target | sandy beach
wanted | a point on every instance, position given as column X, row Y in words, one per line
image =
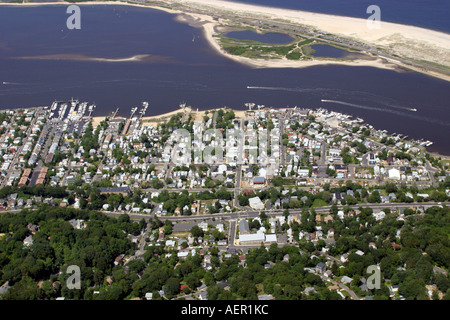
column 166, row 115
column 96, row 120
column 161, row 118
column 209, row 31
column 400, row 37
column 410, row 42
column 146, row 121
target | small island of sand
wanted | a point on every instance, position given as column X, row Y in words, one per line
column 389, row 47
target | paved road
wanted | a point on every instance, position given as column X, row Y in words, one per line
column 281, row 119
column 337, row 261
column 255, row 213
column 341, row 285
column 323, row 154
column 431, row 172
column 240, row 155
column 232, row 233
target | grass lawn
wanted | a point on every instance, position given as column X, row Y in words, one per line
column 445, row 163
column 319, row 203
column 180, row 234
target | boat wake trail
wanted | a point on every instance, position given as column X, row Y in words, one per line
column 366, row 96
column 409, row 115
column 356, row 105
column 389, row 106
column 285, row 89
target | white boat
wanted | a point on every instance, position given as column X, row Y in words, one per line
column 72, row 109
column 413, row 109
column 54, row 105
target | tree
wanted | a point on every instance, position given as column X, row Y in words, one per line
column 438, row 196
column 196, row 232
column 351, row 200
column 192, row 280
column 243, row 200
column 277, row 181
column 168, row 227
column 123, row 218
column 136, row 265
column 447, row 295
column 218, row 235
column 25, row 289
column 374, row 197
column 214, row 292
column 172, row 287
column 442, row 282
column 157, row 183
column 391, row 187
column 334, row 209
column 412, row 288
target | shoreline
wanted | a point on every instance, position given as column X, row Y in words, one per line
column 209, row 32
column 347, row 27
column 390, row 34
column 198, row 114
column 239, row 114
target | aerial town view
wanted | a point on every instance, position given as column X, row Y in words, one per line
column 235, row 164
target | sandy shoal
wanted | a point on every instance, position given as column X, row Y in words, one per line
column 115, row 3
column 404, row 40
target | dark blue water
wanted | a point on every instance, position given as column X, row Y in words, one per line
column 322, row 50
column 430, row 14
column 269, row 37
column 182, row 67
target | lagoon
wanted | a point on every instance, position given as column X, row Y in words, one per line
column 323, row 50
column 269, row 37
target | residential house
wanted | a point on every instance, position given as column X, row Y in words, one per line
column 320, row 267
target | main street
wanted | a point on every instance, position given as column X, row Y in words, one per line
column 255, row 213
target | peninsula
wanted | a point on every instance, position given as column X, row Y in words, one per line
column 392, row 46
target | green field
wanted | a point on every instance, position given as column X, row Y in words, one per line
column 319, row 203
